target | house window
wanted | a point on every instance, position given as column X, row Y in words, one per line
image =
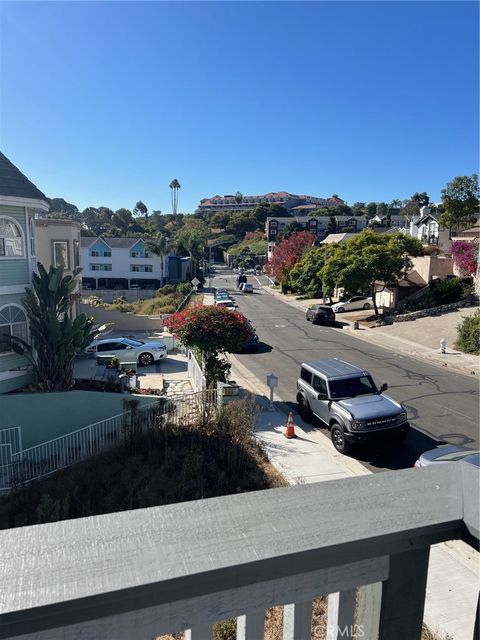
column 135, row 254
column 31, row 228
column 107, row 254
column 94, row 254
column 11, row 245
column 13, row 322
column 100, row 267
column 76, row 253
column 60, row 253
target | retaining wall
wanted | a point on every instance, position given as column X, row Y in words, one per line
column 434, row 311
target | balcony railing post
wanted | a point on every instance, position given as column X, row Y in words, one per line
column 341, row 615
column 251, row 626
column 403, row 596
column 199, row 631
column 297, row 620
column 368, row 609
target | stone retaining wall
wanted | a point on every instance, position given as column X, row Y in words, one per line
column 434, row 311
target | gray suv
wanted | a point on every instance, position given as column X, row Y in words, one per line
column 347, row 400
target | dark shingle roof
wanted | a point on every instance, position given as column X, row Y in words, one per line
column 14, row 183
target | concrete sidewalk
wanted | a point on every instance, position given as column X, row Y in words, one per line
column 453, row 577
column 422, row 333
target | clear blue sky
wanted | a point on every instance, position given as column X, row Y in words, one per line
column 105, row 103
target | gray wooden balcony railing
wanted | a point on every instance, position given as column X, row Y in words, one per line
column 139, row 574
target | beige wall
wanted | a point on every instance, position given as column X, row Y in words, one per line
column 426, row 267
column 47, row 232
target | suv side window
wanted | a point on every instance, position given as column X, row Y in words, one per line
column 319, row 385
column 306, row 375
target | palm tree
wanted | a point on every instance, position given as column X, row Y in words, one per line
column 174, row 186
column 238, row 197
column 158, row 245
column 56, row 339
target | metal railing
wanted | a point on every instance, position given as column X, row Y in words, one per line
column 363, row 541
column 21, row 466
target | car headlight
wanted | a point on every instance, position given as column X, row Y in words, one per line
column 357, row 424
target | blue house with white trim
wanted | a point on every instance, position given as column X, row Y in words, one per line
column 20, row 202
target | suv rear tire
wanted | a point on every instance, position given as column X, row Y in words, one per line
column 304, row 409
column 338, row 439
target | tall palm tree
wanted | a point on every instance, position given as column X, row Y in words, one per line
column 158, row 245
column 174, row 186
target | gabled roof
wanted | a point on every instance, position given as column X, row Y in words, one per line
column 338, row 237
column 113, row 243
column 14, row 184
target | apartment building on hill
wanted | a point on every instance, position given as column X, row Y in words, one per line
column 289, row 200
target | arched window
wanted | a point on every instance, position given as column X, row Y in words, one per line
column 13, row 322
column 11, row 241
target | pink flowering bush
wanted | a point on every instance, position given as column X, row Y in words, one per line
column 465, row 255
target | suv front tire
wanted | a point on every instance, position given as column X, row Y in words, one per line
column 338, row 439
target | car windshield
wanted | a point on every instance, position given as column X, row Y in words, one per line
column 132, row 343
column 351, row 387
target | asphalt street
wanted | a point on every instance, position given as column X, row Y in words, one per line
column 443, row 406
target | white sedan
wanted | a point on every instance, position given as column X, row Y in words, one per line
column 353, row 304
column 128, row 350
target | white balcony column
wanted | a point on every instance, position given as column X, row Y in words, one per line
column 368, row 609
column 199, row 631
column 341, row 615
column 297, row 620
column 251, row 626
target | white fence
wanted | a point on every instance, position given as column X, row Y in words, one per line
column 20, row 466
column 195, row 373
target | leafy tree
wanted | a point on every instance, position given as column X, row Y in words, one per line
column 292, row 227
column 220, row 219
column 287, row 253
column 140, row 209
column 331, row 226
column 382, row 209
column 371, row 210
column 174, row 186
column 238, row 197
column 410, row 209
column 367, row 258
column 422, row 199
column 460, row 199
column 468, row 334
column 342, row 210
column 465, row 256
column 305, row 276
column 395, row 204
column 240, row 223
column 56, row 339
column 192, row 239
column 60, row 208
column 212, row 331
column 359, row 208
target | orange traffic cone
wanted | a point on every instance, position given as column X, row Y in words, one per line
column 290, row 429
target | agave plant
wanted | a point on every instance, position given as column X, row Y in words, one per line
column 55, row 338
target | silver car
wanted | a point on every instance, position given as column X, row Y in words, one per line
column 354, row 303
column 448, row 453
column 128, row 350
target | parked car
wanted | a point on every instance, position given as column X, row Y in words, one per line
column 448, row 453
column 352, row 304
column 347, row 400
column 320, row 314
column 128, row 350
column 228, row 304
column 246, row 287
column 219, row 292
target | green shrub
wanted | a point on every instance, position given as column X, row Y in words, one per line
column 166, row 289
column 468, row 334
column 447, row 291
column 184, row 288
column 119, row 300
